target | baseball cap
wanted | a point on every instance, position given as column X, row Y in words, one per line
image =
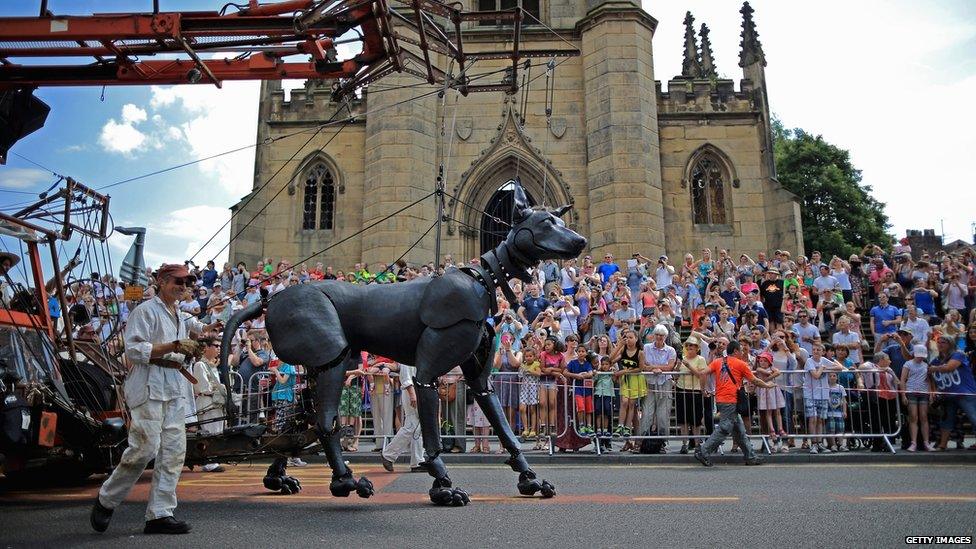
column 905, row 330
column 920, row 351
column 174, row 270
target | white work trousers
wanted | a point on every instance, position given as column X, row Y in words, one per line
column 382, row 410
column 157, row 431
column 408, row 437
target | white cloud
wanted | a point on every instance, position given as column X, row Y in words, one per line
column 121, row 138
column 173, row 237
column 215, row 120
column 189, row 228
column 132, row 114
column 22, row 178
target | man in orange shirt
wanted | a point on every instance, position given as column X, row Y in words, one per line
column 729, row 373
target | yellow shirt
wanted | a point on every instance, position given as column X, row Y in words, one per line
column 688, row 380
column 532, row 368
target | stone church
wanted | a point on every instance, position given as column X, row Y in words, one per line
column 649, row 166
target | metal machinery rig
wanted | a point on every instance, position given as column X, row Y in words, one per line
column 253, row 43
column 62, row 408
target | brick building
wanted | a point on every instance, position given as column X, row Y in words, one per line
column 650, row 166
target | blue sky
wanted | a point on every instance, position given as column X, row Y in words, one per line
column 892, row 81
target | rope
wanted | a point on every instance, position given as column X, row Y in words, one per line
column 389, row 266
column 268, row 203
column 479, row 210
column 473, row 228
column 550, row 92
column 41, row 166
column 261, row 188
column 342, row 241
column 344, row 121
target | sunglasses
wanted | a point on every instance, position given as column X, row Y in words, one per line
column 179, row 282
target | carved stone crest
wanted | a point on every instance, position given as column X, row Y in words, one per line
column 463, row 128
column 558, row 127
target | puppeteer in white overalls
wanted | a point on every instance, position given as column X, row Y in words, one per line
column 156, row 341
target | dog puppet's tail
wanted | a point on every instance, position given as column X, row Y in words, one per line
column 249, row 312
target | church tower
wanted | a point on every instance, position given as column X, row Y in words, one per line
column 623, row 173
column 648, row 167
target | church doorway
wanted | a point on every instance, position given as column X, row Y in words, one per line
column 500, row 209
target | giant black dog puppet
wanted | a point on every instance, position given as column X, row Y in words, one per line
column 434, row 324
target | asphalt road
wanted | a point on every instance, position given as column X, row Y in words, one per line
column 799, row 505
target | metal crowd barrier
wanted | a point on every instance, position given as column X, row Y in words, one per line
column 662, row 410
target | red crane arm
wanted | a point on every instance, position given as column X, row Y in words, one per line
column 118, row 42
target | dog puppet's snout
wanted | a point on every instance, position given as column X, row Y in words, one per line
column 579, row 243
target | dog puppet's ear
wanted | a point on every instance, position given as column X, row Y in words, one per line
column 558, row 212
column 521, row 203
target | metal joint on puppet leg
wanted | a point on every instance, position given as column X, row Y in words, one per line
column 278, row 480
column 528, row 485
column 435, row 466
column 518, row 463
column 442, row 493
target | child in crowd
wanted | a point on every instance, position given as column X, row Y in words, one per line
column 477, row 420
column 529, row 373
column 816, row 392
column 770, row 401
column 917, row 380
column 633, row 386
column 580, row 372
column 848, row 380
column 351, row 407
column 836, row 412
column 846, row 377
column 603, row 400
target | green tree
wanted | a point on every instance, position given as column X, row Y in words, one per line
column 839, row 214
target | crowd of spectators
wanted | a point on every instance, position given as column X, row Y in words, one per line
column 597, row 352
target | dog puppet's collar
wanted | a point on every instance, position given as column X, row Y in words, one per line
column 484, row 278
column 499, row 276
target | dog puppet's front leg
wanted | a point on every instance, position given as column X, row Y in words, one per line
column 442, row 492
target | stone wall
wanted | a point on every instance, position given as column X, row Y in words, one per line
column 623, row 155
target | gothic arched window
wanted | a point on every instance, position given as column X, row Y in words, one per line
column 318, row 203
column 707, row 180
column 530, row 6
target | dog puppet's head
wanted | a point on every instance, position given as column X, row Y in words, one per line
column 539, row 234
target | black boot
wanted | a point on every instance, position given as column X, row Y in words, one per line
column 100, row 516
column 166, row 525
